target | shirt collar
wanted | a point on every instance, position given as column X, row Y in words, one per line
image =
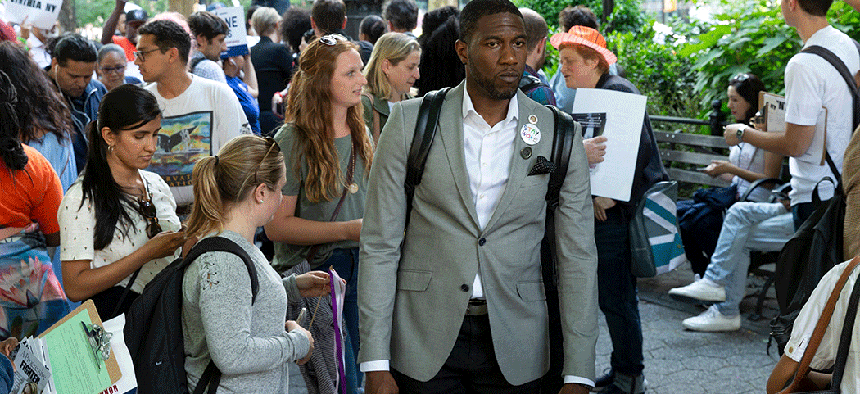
column 469, row 108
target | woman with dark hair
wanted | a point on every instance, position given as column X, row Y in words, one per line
column 244, row 337
column 44, row 119
column 439, row 62
column 31, row 298
column 328, row 154
column 118, row 221
column 746, row 164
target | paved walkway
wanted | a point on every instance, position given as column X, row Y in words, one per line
column 679, row 361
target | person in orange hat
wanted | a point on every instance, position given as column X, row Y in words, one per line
column 585, row 64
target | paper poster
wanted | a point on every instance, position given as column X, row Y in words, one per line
column 621, row 115
column 39, row 13
column 128, row 380
column 772, row 112
column 237, row 37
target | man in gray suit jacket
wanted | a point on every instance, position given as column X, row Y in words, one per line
column 459, row 306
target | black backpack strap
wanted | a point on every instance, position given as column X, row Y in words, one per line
column 211, row 375
column 425, row 131
column 852, row 88
column 221, row 244
column 562, row 144
column 845, row 337
column 529, row 82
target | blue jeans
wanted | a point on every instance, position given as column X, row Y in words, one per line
column 748, row 226
column 345, row 262
column 616, row 288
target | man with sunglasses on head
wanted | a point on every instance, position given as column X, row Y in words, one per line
column 198, row 115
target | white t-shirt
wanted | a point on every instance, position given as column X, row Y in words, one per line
column 808, row 318
column 195, row 124
column 748, row 157
column 78, row 222
column 816, row 94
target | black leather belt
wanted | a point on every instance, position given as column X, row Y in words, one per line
column 476, row 307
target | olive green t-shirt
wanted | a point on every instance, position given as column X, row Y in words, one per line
column 287, row 255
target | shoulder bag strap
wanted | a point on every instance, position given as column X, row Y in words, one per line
column 820, row 327
column 845, row 337
column 425, row 130
column 376, row 128
column 562, row 144
column 350, row 172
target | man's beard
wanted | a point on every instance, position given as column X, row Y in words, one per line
column 490, row 87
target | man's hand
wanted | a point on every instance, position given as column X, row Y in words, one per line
column 573, row 388
column 380, row 382
column 595, row 149
column 313, row 284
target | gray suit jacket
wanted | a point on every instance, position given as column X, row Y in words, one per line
column 412, row 300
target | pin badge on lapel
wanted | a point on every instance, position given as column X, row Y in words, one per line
column 530, row 134
column 533, row 119
column 526, row 153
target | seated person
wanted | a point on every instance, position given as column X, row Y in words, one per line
column 748, row 226
column 700, row 219
column 825, row 356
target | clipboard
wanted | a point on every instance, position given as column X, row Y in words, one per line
column 111, row 364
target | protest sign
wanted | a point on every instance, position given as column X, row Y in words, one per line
column 39, row 13
column 237, row 37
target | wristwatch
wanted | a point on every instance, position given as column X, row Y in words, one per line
column 740, row 133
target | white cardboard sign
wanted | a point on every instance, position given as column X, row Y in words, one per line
column 39, row 13
column 237, row 37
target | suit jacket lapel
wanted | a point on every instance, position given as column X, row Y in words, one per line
column 519, row 167
column 451, row 134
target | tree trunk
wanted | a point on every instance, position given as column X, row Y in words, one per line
column 608, row 6
column 183, row 7
column 68, row 21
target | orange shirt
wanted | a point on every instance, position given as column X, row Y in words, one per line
column 126, row 45
column 31, row 195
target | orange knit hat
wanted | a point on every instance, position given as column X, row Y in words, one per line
column 586, row 36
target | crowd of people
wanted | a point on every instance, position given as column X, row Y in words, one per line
column 120, row 155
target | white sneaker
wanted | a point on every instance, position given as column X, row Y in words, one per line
column 712, row 320
column 702, row 290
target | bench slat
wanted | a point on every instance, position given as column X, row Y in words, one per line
column 709, row 141
column 702, row 159
column 695, row 177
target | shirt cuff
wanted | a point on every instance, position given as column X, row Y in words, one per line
column 375, row 365
column 576, row 379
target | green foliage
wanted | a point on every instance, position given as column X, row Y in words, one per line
column 659, row 72
column 626, row 16
column 751, row 36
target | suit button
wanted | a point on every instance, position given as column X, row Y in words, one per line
column 482, row 241
column 464, row 287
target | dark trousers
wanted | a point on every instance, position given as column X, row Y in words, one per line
column 471, row 367
column 616, row 288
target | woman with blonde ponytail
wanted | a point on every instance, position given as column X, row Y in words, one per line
column 236, row 192
column 328, row 153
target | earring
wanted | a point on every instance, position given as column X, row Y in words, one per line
column 260, row 201
column 110, row 148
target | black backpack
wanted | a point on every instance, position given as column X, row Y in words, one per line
column 565, row 130
column 153, row 326
column 817, row 246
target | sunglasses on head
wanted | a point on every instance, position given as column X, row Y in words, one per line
column 331, row 39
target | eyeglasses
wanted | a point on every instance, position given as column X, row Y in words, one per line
column 142, row 54
column 117, row 69
column 331, row 39
column 147, row 210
